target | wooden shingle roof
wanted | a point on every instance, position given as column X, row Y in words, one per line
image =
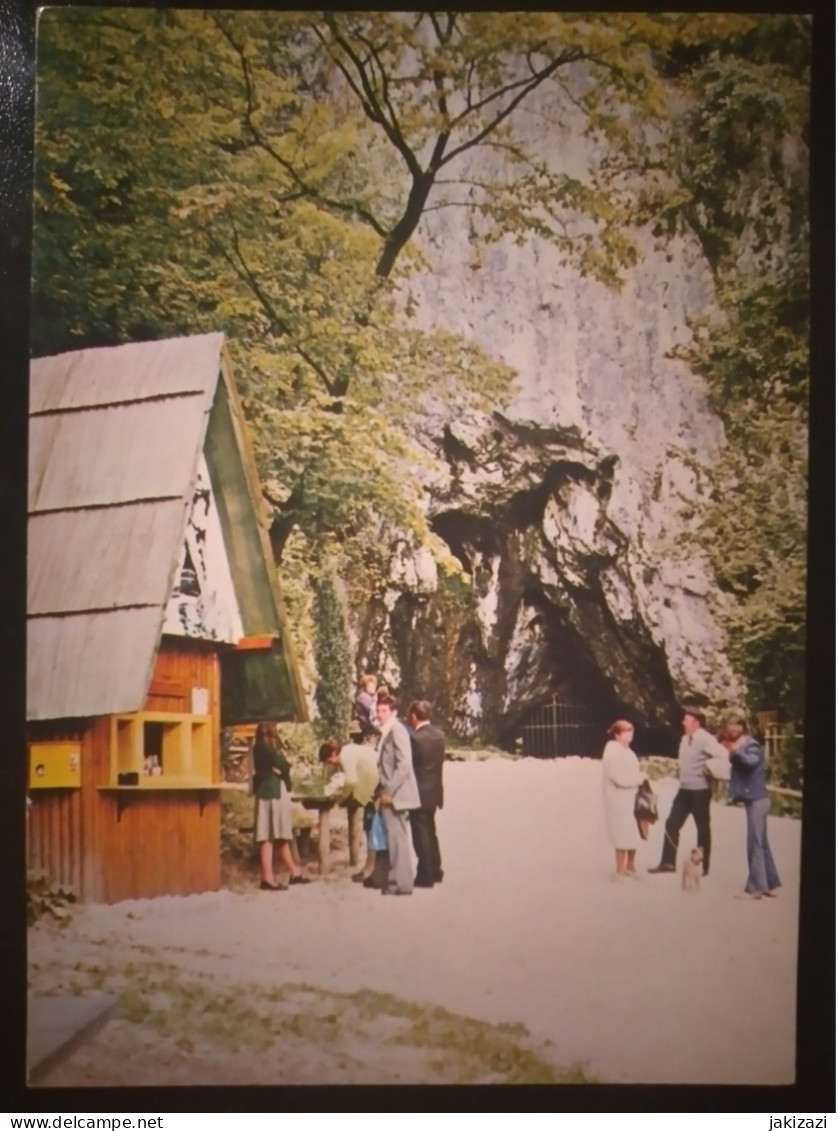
column 116, row 435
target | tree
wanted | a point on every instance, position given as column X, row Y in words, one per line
column 172, row 225
column 333, row 654
column 266, row 172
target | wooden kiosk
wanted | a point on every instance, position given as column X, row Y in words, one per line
column 154, row 616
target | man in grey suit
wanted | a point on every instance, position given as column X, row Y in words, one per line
column 399, row 794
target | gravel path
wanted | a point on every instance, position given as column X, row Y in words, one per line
column 637, row 981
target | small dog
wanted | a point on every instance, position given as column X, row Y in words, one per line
column 693, row 868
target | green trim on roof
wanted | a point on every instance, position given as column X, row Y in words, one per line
column 237, row 494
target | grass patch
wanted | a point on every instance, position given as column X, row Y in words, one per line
column 473, row 1050
column 346, row 1028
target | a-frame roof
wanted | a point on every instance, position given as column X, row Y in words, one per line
column 115, row 439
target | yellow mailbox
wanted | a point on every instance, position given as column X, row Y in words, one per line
column 54, row 765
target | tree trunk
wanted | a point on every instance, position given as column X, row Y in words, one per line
column 284, row 523
column 405, row 228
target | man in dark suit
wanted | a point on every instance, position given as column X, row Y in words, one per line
column 428, row 745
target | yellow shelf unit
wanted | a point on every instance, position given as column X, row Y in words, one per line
column 180, row 744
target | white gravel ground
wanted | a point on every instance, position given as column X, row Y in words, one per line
column 638, row 981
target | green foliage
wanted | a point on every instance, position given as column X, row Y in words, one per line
column 176, row 1010
column 786, row 763
column 786, row 806
column 656, row 768
column 311, row 781
column 334, row 693
column 265, row 173
column 236, row 817
column 474, row 1049
column 754, row 523
column 192, row 173
column 744, row 175
column 298, row 742
column 43, row 897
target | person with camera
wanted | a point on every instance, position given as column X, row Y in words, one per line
column 747, row 787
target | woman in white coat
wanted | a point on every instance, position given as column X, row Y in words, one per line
column 621, row 775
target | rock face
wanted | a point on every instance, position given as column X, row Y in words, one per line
column 563, row 507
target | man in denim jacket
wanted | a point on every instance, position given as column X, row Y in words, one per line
column 747, row 785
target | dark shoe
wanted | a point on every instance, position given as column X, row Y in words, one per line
column 662, row 868
column 358, row 878
column 300, row 879
column 439, row 878
column 423, row 883
column 265, row 886
column 370, row 882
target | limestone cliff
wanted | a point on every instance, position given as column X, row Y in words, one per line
column 562, row 507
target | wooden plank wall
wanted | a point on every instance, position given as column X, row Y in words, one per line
column 62, row 827
column 161, row 843
column 181, row 665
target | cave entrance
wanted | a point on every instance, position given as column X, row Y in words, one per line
column 563, row 728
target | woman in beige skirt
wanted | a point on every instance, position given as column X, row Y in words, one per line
column 272, row 816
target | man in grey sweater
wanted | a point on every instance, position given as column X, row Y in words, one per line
column 694, row 789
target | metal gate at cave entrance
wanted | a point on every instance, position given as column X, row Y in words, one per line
column 562, row 729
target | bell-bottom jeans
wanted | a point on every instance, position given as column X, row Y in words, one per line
column 762, row 872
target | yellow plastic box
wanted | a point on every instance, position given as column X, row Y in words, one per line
column 54, row 765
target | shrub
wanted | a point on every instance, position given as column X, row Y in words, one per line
column 656, row 767
column 786, row 765
column 44, row 897
column 236, row 816
column 298, row 742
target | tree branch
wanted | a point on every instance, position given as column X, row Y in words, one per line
column 385, row 83
column 346, row 207
column 450, row 204
column 283, row 524
column 442, row 140
column 277, row 322
column 470, row 72
column 531, row 84
column 368, row 98
column 437, row 28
